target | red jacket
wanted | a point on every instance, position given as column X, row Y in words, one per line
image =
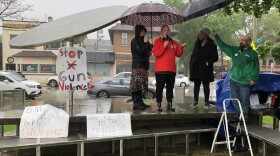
column 165, row 57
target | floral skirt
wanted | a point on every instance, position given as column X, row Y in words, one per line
column 139, row 80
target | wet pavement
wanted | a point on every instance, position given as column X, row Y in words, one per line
column 84, row 104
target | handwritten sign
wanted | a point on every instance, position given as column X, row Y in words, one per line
column 108, row 125
column 44, row 121
column 72, row 68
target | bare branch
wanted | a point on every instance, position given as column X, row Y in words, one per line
column 13, row 8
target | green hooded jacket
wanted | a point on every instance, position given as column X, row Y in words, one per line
column 244, row 65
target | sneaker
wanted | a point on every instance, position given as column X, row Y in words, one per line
column 194, row 105
column 206, row 105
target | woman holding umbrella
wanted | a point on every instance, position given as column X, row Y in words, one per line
column 141, row 51
column 165, row 50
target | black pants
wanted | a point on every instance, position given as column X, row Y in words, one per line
column 206, row 90
column 161, row 80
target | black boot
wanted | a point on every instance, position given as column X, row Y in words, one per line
column 136, row 104
column 169, row 107
column 140, row 100
column 159, row 109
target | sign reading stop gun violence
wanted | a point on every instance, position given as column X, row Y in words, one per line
column 72, row 68
column 108, row 125
column 44, row 121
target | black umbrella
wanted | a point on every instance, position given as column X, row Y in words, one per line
column 201, row 7
column 151, row 15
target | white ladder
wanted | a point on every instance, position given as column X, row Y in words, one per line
column 224, row 120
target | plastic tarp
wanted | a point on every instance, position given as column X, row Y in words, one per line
column 268, row 82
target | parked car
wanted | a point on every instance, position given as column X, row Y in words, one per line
column 116, row 87
column 19, row 73
column 53, row 80
column 10, row 81
column 123, row 75
column 180, row 80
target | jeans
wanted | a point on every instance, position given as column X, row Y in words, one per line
column 161, row 80
column 206, row 90
column 242, row 93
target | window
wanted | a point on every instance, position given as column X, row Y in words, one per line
column 46, row 68
column 127, row 75
column 123, row 67
column 90, row 68
column 12, row 36
column 124, row 38
column 126, row 82
column 115, row 82
column 264, row 62
column 102, row 70
column 270, row 61
column 123, row 57
column 32, row 68
column 2, row 78
column 53, row 46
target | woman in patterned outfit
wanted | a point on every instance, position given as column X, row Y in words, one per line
column 141, row 51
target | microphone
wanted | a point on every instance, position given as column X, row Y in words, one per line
column 168, row 38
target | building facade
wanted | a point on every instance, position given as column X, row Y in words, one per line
column 36, row 63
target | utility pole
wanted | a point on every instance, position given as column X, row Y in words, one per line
column 99, row 36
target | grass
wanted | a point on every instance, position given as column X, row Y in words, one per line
column 9, row 128
column 267, row 120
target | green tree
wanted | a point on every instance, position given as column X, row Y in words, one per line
column 229, row 28
column 268, row 26
column 268, row 30
column 254, row 7
column 264, row 49
column 275, row 52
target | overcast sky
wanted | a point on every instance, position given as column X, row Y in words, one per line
column 60, row 8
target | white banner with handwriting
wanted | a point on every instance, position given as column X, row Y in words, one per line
column 108, row 125
column 44, row 121
column 72, row 69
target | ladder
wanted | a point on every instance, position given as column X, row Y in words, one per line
column 231, row 139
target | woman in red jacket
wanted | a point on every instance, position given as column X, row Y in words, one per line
column 166, row 50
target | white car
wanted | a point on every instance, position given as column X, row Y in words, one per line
column 10, row 81
column 180, row 80
column 53, row 80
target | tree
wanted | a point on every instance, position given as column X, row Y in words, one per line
column 13, row 8
column 255, row 7
column 268, row 30
column 268, row 26
column 230, row 28
column 264, row 49
column 275, row 52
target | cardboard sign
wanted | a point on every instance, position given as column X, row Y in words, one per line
column 44, row 121
column 108, row 125
column 72, row 68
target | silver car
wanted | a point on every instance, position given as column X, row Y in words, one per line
column 116, row 87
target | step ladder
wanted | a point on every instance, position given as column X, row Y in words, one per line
column 231, row 139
